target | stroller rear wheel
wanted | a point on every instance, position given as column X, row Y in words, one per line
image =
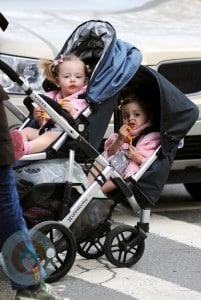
column 58, row 259
column 93, row 247
column 123, row 247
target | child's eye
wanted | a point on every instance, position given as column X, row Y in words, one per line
column 136, row 114
column 126, row 116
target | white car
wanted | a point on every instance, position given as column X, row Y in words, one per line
column 166, row 32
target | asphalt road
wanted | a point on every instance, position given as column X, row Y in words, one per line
column 168, row 269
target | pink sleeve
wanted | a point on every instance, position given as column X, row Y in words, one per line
column 78, row 103
column 108, row 143
column 145, row 146
column 148, row 144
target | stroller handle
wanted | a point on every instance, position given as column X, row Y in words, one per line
column 9, row 71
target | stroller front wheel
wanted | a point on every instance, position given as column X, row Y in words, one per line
column 58, row 248
column 121, row 246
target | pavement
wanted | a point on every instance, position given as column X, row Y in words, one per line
column 6, row 293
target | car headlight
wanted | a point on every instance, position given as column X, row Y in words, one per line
column 28, row 70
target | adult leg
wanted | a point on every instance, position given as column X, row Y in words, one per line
column 12, row 224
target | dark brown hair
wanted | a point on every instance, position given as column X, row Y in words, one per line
column 145, row 104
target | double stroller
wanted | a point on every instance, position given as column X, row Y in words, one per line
column 57, row 200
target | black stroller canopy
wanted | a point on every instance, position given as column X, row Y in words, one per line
column 176, row 113
column 114, row 62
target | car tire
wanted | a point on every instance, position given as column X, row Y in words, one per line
column 194, row 190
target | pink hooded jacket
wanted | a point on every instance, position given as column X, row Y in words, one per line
column 78, row 103
column 146, row 145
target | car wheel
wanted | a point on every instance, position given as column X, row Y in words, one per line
column 194, row 190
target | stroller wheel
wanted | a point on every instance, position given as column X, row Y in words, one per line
column 122, row 246
column 93, row 247
column 58, row 258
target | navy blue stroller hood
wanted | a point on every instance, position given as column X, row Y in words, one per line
column 113, row 61
column 116, row 61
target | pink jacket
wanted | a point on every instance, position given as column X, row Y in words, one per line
column 78, row 104
column 146, row 145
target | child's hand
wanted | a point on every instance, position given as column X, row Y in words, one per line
column 38, row 115
column 129, row 137
column 124, row 133
column 67, row 105
column 134, row 155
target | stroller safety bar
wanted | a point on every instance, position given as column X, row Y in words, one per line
column 146, row 164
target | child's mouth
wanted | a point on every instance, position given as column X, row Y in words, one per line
column 132, row 125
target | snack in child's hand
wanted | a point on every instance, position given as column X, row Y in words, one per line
column 129, row 136
column 44, row 115
column 61, row 101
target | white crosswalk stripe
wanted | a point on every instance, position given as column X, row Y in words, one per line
column 133, row 283
column 130, row 282
column 172, row 229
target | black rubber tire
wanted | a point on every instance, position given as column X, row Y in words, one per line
column 118, row 246
column 65, row 249
column 194, row 190
column 92, row 248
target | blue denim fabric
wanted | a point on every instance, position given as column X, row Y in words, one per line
column 12, row 221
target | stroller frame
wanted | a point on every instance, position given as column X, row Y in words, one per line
column 123, row 245
column 62, row 227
